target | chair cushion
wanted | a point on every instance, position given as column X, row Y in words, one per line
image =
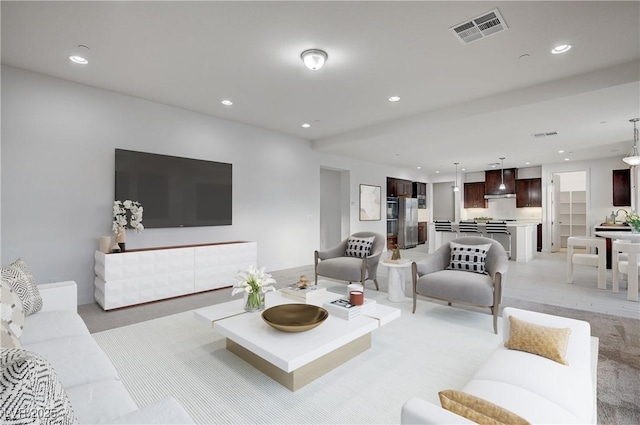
column 341, row 268
column 359, row 247
column 21, row 280
column 31, row 388
column 468, row 258
column 11, row 312
column 537, row 339
column 453, row 285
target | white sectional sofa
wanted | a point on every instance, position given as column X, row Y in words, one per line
column 537, row 389
column 95, row 391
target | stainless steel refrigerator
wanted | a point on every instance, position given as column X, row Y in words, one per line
column 407, row 222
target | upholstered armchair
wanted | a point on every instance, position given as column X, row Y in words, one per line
column 350, row 260
column 432, row 278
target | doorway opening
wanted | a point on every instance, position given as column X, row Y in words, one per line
column 334, row 206
column 569, row 208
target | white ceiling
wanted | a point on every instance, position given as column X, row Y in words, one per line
column 460, row 103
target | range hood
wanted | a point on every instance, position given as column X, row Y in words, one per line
column 501, row 196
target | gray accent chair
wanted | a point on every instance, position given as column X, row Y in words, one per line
column 432, row 279
column 333, row 263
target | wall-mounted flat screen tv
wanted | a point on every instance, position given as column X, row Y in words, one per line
column 174, row 191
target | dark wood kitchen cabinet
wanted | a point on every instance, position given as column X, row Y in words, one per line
column 622, row 188
column 419, row 189
column 474, row 195
column 528, row 193
column 399, row 187
column 493, row 178
column 422, row 232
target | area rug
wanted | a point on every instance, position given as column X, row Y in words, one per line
column 618, row 360
column 419, row 354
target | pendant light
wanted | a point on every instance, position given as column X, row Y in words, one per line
column 502, row 186
column 456, row 188
column 633, row 158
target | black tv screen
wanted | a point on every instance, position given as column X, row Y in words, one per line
column 174, row 191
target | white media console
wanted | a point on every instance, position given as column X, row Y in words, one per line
column 144, row 275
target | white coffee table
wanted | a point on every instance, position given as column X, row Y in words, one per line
column 293, row 359
column 396, row 279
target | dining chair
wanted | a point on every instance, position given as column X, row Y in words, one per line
column 628, row 266
column 494, row 228
column 469, row 228
column 598, row 260
column 445, row 227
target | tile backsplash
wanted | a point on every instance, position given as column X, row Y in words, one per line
column 503, row 209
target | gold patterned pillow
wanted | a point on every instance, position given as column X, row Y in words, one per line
column 537, row 339
column 478, row 410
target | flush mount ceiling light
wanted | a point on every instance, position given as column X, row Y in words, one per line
column 80, row 55
column 456, row 188
column 227, row 102
column 502, row 186
column 394, row 98
column 562, row 48
column 633, row 158
column 314, row 59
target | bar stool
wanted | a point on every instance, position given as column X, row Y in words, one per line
column 628, row 267
column 445, row 227
column 467, row 227
column 499, row 228
column 598, row 260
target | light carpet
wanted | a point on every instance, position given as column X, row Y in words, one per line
column 418, row 354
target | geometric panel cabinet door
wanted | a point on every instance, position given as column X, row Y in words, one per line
column 144, row 275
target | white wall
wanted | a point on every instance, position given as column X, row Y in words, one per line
column 58, row 141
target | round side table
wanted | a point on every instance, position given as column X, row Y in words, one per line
column 396, row 279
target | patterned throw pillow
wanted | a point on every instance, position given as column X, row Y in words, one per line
column 359, row 247
column 468, row 258
column 11, row 313
column 21, row 280
column 31, row 390
column 477, row 409
column 537, row 339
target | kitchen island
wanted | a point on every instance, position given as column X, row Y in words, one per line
column 524, row 238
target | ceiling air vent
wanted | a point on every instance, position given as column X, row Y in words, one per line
column 541, row 135
column 480, row 27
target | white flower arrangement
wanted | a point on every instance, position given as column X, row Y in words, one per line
column 127, row 209
column 252, row 280
column 633, row 220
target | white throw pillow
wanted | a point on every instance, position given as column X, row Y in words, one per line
column 11, row 312
column 359, row 247
column 468, row 258
column 18, row 275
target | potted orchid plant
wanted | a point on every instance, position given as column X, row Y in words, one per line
column 254, row 283
column 126, row 215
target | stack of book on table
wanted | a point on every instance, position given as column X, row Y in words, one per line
column 311, row 293
column 343, row 309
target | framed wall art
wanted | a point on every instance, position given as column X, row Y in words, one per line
column 369, row 203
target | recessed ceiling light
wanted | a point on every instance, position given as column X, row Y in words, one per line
column 437, row 172
column 562, row 48
column 527, row 163
column 227, row 102
column 80, row 55
column 394, row 98
column 419, row 167
column 560, row 151
column 493, row 166
column 566, row 159
column 464, row 169
column 305, row 125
